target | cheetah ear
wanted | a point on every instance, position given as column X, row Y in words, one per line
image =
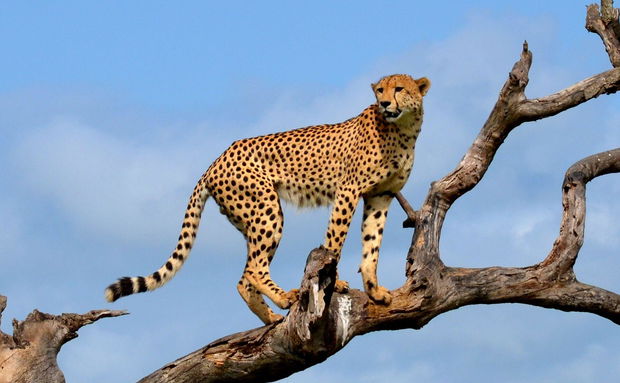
column 373, row 86
column 423, row 84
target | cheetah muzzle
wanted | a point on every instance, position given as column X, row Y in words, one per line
column 391, row 115
column 368, row 157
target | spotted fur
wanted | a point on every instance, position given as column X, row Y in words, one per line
column 367, row 157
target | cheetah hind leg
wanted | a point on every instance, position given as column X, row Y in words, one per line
column 256, row 303
column 260, row 278
column 263, row 237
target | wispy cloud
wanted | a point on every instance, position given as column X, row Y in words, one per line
column 594, row 363
column 107, row 185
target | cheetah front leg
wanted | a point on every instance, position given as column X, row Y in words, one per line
column 375, row 214
column 339, row 221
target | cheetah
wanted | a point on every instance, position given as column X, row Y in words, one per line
column 367, row 157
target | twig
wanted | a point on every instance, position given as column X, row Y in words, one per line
column 411, row 214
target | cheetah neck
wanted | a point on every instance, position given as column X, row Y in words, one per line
column 410, row 123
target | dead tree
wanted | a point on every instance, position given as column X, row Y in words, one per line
column 323, row 321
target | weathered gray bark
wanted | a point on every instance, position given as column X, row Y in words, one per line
column 29, row 356
column 323, row 322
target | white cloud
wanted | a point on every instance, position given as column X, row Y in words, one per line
column 416, row 370
column 533, row 230
column 602, row 224
column 96, row 355
column 13, row 229
column 293, row 109
column 111, row 186
column 612, row 127
column 594, row 363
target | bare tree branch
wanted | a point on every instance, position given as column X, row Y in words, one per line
column 602, row 83
column 406, row 206
column 30, row 354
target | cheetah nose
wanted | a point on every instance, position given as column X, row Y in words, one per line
column 385, row 104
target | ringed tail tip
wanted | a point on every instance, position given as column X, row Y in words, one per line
column 109, row 294
column 123, row 287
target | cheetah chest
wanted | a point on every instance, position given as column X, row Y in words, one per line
column 399, row 163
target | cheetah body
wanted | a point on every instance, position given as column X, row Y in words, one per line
column 367, row 157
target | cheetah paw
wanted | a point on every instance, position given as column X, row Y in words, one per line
column 273, row 318
column 287, row 299
column 341, row 286
column 381, row 295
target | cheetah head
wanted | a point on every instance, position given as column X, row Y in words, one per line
column 400, row 95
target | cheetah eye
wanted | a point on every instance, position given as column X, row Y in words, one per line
column 379, row 90
column 398, row 88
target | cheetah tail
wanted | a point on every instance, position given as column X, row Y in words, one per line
column 131, row 285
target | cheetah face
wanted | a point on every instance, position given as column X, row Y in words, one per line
column 400, row 95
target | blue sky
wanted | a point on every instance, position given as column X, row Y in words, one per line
column 110, row 111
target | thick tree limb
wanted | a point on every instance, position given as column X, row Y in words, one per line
column 29, row 356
